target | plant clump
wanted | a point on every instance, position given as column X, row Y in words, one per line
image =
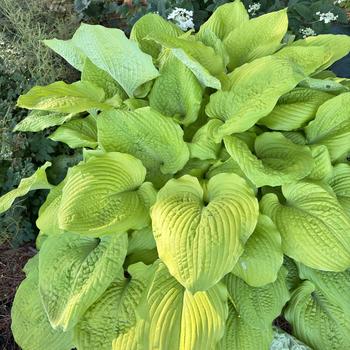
column 213, row 195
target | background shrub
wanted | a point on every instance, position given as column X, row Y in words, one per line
column 24, row 62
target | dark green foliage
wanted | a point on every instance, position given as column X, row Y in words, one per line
column 20, row 155
column 302, row 13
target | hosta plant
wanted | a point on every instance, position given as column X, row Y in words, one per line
column 213, row 196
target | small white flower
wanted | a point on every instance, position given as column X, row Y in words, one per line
column 327, row 17
column 307, row 32
column 338, row 2
column 252, row 9
column 183, row 18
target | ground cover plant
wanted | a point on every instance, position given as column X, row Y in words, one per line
column 213, row 195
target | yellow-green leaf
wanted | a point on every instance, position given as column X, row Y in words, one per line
column 200, row 231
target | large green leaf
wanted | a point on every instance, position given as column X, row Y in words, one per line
column 75, row 271
column 146, row 134
column 68, row 50
column 262, row 257
column 333, row 285
column 141, row 247
column 295, row 109
column 106, row 195
column 202, row 145
column 194, row 49
column 77, row 133
column 331, row 127
column 225, row 19
column 340, row 183
column 37, row 181
column 177, row 319
column 66, row 98
column 258, row 306
column 256, row 38
column 277, row 160
column 40, row 120
column 30, row 325
column 153, row 24
column 240, row 334
column 176, row 92
column 322, row 169
column 47, row 220
column 114, row 314
column 203, row 75
column 253, row 92
column 316, row 320
column 337, row 46
column 314, row 227
column 102, row 79
column 200, row 226
column 110, row 50
column 309, row 58
column 251, row 312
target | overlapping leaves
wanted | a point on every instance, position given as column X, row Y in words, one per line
column 211, row 159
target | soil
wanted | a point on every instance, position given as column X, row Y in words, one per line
column 12, row 261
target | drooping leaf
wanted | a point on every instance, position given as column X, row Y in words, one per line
column 177, row 319
column 30, row 325
column 225, row 19
column 277, row 161
column 146, row 134
column 262, row 257
column 331, row 127
column 75, row 271
column 66, row 98
column 316, row 320
column 40, row 120
column 176, row 92
column 295, row 109
column 106, row 195
column 253, row 93
column 114, row 314
column 256, row 38
column 196, row 227
column 315, row 229
column 77, row 133
column 35, row 182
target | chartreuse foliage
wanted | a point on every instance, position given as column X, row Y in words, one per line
column 213, row 196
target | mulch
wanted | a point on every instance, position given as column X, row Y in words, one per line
column 12, row 261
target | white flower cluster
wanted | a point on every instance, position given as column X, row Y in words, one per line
column 327, row 17
column 183, row 18
column 305, row 32
column 252, row 9
column 339, row 2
